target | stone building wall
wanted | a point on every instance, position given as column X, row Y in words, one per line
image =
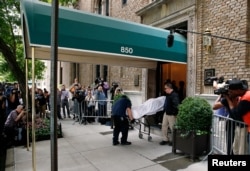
column 127, row 11
column 126, row 75
column 229, row 19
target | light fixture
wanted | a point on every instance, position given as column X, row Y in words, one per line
column 207, row 41
column 170, row 39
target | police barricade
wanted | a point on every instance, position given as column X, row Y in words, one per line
column 98, row 111
column 228, row 136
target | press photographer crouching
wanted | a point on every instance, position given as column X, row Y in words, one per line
column 15, row 120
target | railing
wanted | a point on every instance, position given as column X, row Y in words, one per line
column 85, row 113
column 228, row 136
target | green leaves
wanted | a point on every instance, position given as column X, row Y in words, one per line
column 195, row 114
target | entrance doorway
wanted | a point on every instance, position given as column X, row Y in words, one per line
column 174, row 72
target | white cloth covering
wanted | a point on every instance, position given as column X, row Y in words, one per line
column 149, row 107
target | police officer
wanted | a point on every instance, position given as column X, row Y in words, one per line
column 121, row 112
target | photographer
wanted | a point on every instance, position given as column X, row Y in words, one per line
column 113, row 88
column 41, row 103
column 78, row 97
column 221, row 103
column 241, row 112
column 220, row 89
column 12, row 98
column 13, row 122
column 102, row 104
column 222, row 108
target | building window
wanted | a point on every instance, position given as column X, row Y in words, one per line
column 100, row 7
column 97, row 71
column 102, row 71
column 107, row 7
column 124, row 2
column 105, row 72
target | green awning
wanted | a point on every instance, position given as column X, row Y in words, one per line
column 91, row 38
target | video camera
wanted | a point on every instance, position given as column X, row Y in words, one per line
column 15, row 90
column 222, row 90
column 98, row 80
column 79, row 92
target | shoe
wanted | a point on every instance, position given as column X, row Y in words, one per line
column 69, row 117
column 116, row 143
column 170, row 143
column 164, row 142
column 126, row 143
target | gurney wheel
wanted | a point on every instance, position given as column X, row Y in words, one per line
column 140, row 135
column 149, row 138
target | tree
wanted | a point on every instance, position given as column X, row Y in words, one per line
column 12, row 61
column 11, row 46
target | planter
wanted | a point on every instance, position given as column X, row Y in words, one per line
column 43, row 131
column 192, row 144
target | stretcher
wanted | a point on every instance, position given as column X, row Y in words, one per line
column 141, row 113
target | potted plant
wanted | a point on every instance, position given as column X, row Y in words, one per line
column 42, row 129
column 193, row 127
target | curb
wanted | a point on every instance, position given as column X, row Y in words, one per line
column 10, row 160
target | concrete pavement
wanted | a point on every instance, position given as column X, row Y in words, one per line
column 89, row 147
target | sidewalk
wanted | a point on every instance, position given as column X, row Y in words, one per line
column 89, row 147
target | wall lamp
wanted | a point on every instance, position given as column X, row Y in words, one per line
column 170, row 38
column 207, row 41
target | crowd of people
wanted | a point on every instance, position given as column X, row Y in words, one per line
column 85, row 102
column 12, row 115
column 92, row 101
column 78, row 102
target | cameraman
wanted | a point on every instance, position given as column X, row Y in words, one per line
column 219, row 86
column 241, row 112
column 221, row 103
column 12, row 98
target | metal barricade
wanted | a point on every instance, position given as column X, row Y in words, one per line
column 99, row 112
column 228, row 136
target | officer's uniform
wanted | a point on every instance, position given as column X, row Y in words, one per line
column 121, row 119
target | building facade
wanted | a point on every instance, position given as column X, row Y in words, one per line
column 228, row 52
column 225, row 54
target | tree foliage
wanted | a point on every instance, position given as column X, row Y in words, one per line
column 12, row 65
column 12, row 61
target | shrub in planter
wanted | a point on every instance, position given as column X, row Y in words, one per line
column 195, row 114
column 193, row 126
column 42, row 129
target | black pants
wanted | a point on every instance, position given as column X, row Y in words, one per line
column 121, row 125
column 59, row 111
column 12, row 134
